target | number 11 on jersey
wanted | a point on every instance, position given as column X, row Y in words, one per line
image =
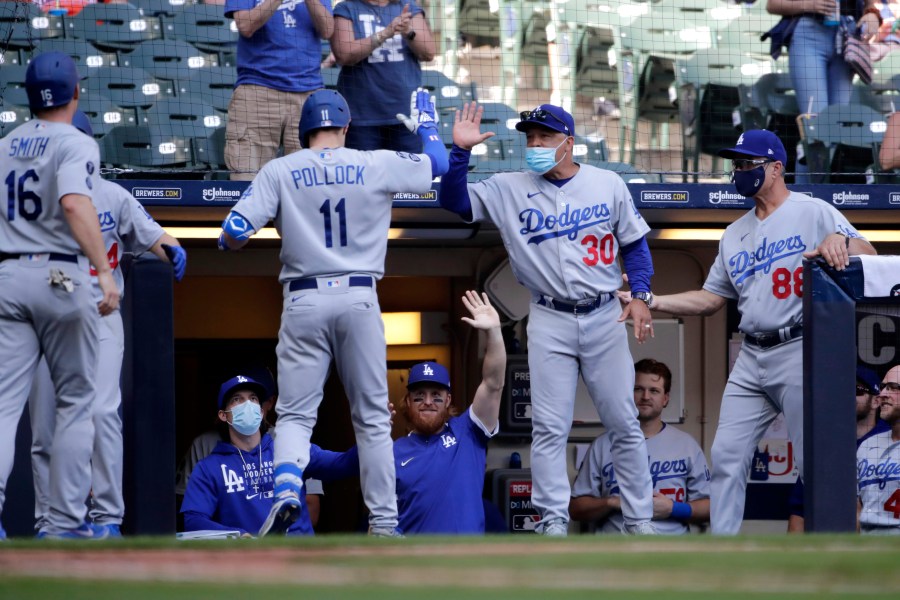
column 340, row 209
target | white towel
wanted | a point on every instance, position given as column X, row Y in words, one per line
column 881, row 276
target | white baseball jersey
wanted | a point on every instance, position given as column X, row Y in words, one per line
column 677, row 465
column 42, row 162
column 562, row 242
column 760, row 263
column 878, row 481
column 125, row 226
column 332, row 207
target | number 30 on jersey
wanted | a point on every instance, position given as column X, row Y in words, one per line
column 600, row 250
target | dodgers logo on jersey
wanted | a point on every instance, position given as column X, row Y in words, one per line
column 107, row 221
column 879, row 473
column 569, row 221
column 608, row 473
column 668, row 469
column 744, row 264
column 233, row 482
column 448, row 440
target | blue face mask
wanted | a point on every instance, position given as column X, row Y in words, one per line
column 541, row 160
column 747, row 183
column 246, row 418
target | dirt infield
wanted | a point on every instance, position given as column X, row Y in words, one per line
column 823, row 565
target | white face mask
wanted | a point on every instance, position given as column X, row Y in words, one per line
column 541, row 160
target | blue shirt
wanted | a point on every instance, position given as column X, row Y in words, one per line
column 379, row 86
column 230, row 489
column 285, row 53
column 440, row 478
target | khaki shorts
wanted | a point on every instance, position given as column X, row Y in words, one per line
column 260, row 121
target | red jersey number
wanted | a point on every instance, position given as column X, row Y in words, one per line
column 784, row 283
column 112, row 256
column 598, row 251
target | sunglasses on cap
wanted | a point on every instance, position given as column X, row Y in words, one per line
column 862, row 390
column 541, row 115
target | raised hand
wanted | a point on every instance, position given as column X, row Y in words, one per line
column 467, row 126
column 422, row 114
column 484, row 316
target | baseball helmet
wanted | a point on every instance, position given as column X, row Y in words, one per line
column 51, row 80
column 82, row 123
column 323, row 108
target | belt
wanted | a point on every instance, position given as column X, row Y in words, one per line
column 576, row 308
column 52, row 256
column 770, row 339
column 311, row 283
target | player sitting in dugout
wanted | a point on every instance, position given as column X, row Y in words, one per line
column 232, row 489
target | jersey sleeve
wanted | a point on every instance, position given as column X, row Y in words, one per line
column 481, row 432
column 329, row 466
column 401, row 171
column 833, row 221
column 718, row 282
column 415, row 9
column 480, row 194
column 78, row 169
column 587, row 482
column 698, row 479
column 137, row 229
column 201, row 499
column 630, row 226
column 344, row 10
column 260, row 201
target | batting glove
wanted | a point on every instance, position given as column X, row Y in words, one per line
column 422, row 114
column 178, row 258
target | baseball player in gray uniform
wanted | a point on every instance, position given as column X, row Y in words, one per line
column 49, row 234
column 760, row 265
column 126, row 227
column 878, row 466
column 332, row 208
column 677, row 465
column 564, row 225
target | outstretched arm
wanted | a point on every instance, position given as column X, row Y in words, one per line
column 696, row 303
column 486, row 405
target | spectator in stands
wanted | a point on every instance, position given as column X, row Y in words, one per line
column 820, row 75
column 232, row 488
column 278, row 55
column 379, row 44
column 888, row 38
column 878, row 466
column 867, row 425
column 889, row 155
column 204, row 444
column 677, row 464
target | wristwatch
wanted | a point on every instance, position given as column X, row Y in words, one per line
column 646, row 297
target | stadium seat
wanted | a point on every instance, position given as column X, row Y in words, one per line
column 501, row 119
column 206, row 27
column 118, row 27
column 209, row 152
column 23, row 25
column 708, row 97
column 127, row 87
column 771, row 104
column 156, row 8
column 170, row 59
column 214, row 85
column 143, row 146
column 104, row 114
column 630, row 173
column 449, row 95
column 11, row 116
column 479, row 22
column 840, row 141
column 86, row 55
column 184, row 116
column 330, row 77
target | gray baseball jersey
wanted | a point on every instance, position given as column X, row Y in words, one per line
column 562, row 242
column 677, row 465
column 760, row 263
column 878, row 481
column 42, row 162
column 332, row 208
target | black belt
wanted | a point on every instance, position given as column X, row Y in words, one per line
column 52, row 256
column 579, row 308
column 311, row 283
column 770, row 339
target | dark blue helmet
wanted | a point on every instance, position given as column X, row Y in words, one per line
column 82, row 123
column 51, row 80
column 323, row 108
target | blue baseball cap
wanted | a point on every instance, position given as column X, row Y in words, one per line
column 240, row 382
column 262, row 375
column 82, row 123
column 549, row 116
column 868, row 378
column 757, row 143
column 51, row 80
column 428, row 372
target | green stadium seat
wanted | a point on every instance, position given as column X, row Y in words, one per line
column 104, row 114
column 214, row 85
column 127, row 87
column 170, row 59
column 142, row 146
column 86, row 55
column 184, row 116
column 206, row 27
column 11, row 116
column 841, row 140
column 119, row 27
column 771, row 104
column 23, row 25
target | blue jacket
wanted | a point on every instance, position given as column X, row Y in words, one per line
column 230, row 489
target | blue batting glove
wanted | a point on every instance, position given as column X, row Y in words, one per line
column 422, row 114
column 178, row 257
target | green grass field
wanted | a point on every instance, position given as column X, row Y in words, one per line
column 431, row 568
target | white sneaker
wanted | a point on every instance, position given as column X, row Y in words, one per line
column 282, row 515
column 642, row 528
column 554, row 528
column 385, row 532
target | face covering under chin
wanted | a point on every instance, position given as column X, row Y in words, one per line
column 748, row 183
column 540, row 160
column 246, row 418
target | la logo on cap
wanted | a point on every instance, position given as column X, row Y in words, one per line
column 241, row 379
column 426, row 370
column 740, row 140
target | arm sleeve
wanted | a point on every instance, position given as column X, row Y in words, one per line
column 638, row 265
column 434, row 148
column 454, row 194
column 201, row 502
column 329, row 466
